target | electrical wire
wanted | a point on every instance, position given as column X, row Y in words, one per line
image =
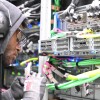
column 71, row 84
column 84, row 75
column 57, row 2
column 81, row 63
column 79, row 79
column 33, row 6
column 31, row 31
column 28, row 60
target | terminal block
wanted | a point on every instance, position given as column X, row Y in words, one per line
column 55, row 46
column 71, row 46
column 79, row 22
column 84, row 17
column 84, row 47
column 79, row 44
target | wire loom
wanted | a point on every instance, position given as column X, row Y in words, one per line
column 78, row 79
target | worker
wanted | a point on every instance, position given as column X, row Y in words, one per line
column 11, row 38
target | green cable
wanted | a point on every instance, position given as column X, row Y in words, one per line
column 73, row 64
column 80, row 82
column 70, row 64
column 82, row 63
column 60, row 85
column 71, row 84
column 55, row 35
column 84, row 75
column 52, row 33
column 54, row 61
column 59, row 35
column 57, row 2
column 28, row 60
column 74, row 81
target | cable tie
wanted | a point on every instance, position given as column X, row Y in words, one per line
column 66, row 75
column 56, row 86
column 77, row 64
column 72, row 5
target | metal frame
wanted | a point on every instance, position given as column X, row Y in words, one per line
column 45, row 28
column 77, row 46
column 45, row 34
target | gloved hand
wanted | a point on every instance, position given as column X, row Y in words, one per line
column 34, row 87
column 17, row 87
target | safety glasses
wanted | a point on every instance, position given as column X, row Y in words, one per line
column 21, row 38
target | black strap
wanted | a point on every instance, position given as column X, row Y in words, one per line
column 56, row 86
column 77, row 64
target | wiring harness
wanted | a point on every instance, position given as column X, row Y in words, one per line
column 72, row 80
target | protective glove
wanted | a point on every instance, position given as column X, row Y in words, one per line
column 15, row 91
column 34, row 87
column 17, row 87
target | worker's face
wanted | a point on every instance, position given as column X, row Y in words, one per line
column 13, row 48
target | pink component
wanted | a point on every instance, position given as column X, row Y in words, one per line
column 57, row 30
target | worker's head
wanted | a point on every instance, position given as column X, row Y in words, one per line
column 13, row 47
column 11, row 19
